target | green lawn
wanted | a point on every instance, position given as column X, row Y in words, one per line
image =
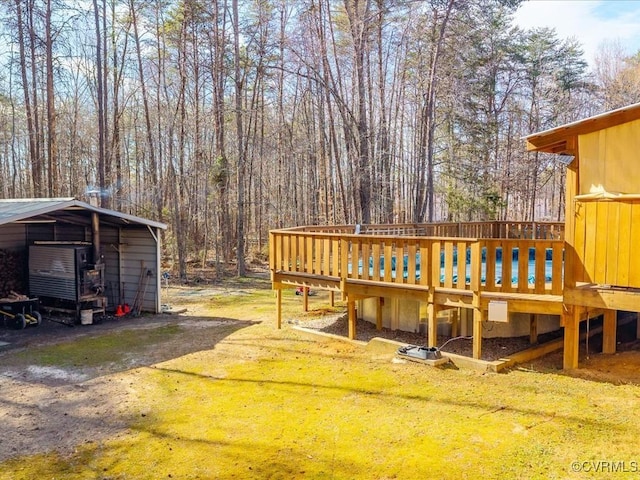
column 276, row 404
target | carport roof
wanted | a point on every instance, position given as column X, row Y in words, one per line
column 67, row 210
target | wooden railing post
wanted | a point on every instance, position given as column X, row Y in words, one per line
column 272, row 251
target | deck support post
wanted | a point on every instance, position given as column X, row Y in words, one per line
column 454, row 316
column 432, row 330
column 379, row 302
column 571, row 321
column 533, row 329
column 638, row 325
column 332, row 298
column 476, row 260
column 351, row 307
column 305, row 299
column 464, row 322
column 477, row 333
column 609, row 326
column 432, row 320
column 279, row 307
column 395, row 314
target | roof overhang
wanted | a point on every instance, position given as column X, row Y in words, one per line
column 564, row 139
column 65, row 210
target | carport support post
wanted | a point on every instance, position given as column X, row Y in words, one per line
column 95, row 233
column 609, row 325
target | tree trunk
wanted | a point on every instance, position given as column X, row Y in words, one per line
column 100, row 99
column 52, row 140
column 239, row 80
column 36, row 174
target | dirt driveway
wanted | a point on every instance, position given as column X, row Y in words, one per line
column 58, row 403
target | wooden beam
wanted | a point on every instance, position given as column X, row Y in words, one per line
column 374, row 288
column 571, row 320
column 477, row 323
column 351, row 307
column 609, row 326
column 454, row 316
column 305, row 299
column 464, row 322
column 395, row 313
column 477, row 333
column 332, row 298
column 637, row 325
column 520, row 303
column 606, row 298
column 432, row 330
column 379, row 303
column 279, row 307
column 309, row 280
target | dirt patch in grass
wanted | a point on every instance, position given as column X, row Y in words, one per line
column 63, row 386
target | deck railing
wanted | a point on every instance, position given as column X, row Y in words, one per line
column 509, row 265
column 497, row 229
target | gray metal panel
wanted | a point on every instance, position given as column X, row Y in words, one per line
column 12, row 210
column 52, row 261
column 72, row 233
column 139, row 254
column 56, row 232
column 12, row 236
column 109, row 246
column 40, row 233
column 53, row 270
column 54, row 287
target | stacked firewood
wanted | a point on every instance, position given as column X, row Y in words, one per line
column 12, row 272
column 14, row 297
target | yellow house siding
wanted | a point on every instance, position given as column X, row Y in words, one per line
column 610, row 160
column 607, row 236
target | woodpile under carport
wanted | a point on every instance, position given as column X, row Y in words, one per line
column 12, row 268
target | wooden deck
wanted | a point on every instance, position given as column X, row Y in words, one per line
column 467, row 265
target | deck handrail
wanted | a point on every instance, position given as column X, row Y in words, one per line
column 492, row 265
column 494, row 229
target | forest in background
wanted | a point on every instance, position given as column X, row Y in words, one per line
column 228, row 118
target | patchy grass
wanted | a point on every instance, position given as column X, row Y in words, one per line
column 274, row 404
column 92, row 351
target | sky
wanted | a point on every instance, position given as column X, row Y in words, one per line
column 591, row 22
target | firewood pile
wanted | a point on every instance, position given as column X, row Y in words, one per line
column 12, row 273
